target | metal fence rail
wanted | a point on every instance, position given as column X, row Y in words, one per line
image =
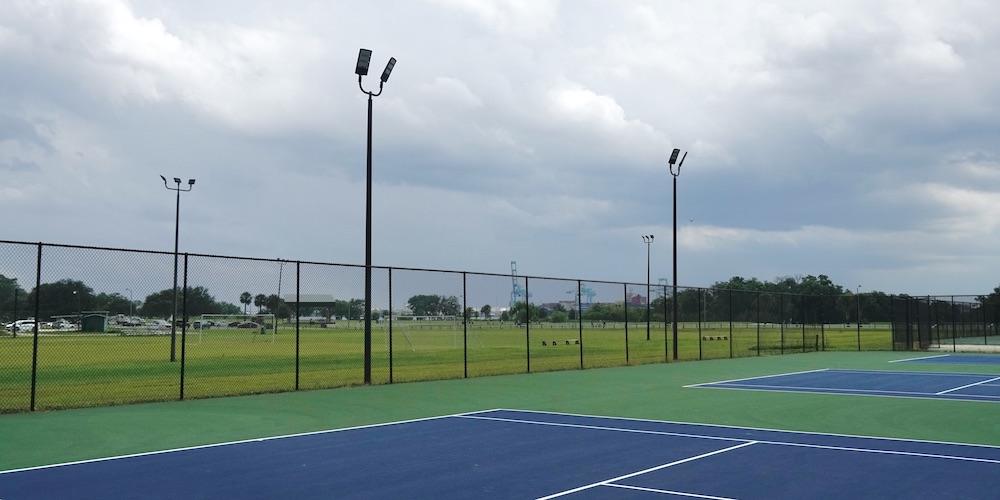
column 90, row 326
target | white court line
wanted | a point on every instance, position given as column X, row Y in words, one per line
column 965, row 398
column 994, row 379
column 722, row 426
column 925, row 357
column 827, row 390
column 241, row 441
column 666, row 492
column 760, row 376
column 761, row 441
column 646, row 471
column 901, row 372
column 835, row 390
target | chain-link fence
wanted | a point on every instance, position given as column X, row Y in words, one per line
column 87, row 326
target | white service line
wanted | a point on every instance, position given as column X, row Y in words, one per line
column 994, row 379
column 241, row 441
column 925, row 357
column 757, row 377
column 721, row 438
column 666, row 492
column 646, row 471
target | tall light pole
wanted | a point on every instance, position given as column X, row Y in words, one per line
column 364, row 58
column 671, row 162
column 648, row 238
column 177, row 235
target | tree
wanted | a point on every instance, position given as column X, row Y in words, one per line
column 114, row 303
column 558, row 317
column 434, row 305
column 276, row 306
column 57, row 298
column 259, row 300
column 245, row 299
column 12, row 297
column 199, row 301
column 485, row 311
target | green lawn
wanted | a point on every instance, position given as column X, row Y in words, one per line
column 79, row 371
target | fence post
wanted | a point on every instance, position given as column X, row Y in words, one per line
column 892, row 320
column 390, row 325
column 982, row 308
column 625, row 287
column 465, row 329
column 802, row 305
column 14, row 330
column 859, row 322
column 666, row 339
column 954, row 326
column 822, row 324
column 579, row 319
column 906, row 316
column 781, row 319
column 298, row 300
column 730, row 322
column 34, row 340
column 184, row 311
column 527, row 323
column 700, row 299
column 758, row 322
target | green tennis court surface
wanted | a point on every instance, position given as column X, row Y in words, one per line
column 648, row 391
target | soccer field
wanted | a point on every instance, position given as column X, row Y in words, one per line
column 78, row 370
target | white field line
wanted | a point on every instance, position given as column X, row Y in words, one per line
column 754, row 378
column 666, row 492
column 994, row 379
column 721, row 426
column 646, row 471
column 241, row 441
column 924, row 357
column 761, row 441
column 951, row 397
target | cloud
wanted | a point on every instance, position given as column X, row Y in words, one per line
column 855, row 139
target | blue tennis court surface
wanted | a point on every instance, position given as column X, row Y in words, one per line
column 959, row 386
column 954, row 359
column 524, row 454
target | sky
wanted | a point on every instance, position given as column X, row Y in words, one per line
column 856, row 139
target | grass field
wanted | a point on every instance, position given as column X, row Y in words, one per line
column 650, row 391
column 93, row 370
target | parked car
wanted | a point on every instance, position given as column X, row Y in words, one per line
column 62, row 324
column 248, row 324
column 131, row 322
column 158, row 324
column 21, row 325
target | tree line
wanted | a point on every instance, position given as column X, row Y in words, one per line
column 810, row 298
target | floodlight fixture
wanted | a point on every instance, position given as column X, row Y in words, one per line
column 177, row 180
column 673, row 156
column 164, row 179
column 364, row 59
column 388, row 69
column 190, row 182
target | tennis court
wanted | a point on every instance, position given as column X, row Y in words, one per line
column 957, row 386
column 529, row 454
column 953, row 359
